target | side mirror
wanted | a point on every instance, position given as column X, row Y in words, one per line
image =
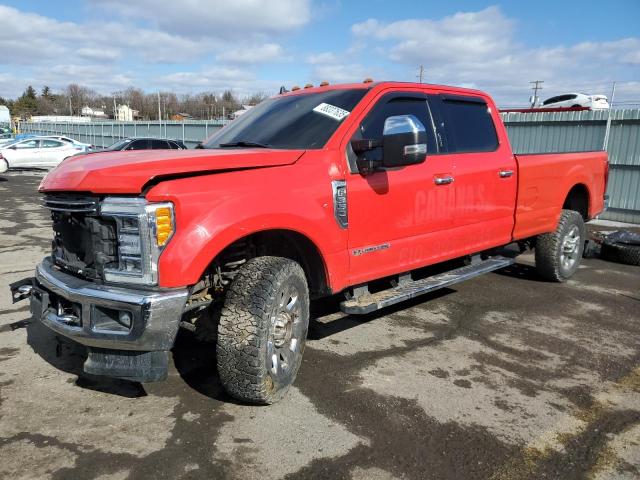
column 404, row 141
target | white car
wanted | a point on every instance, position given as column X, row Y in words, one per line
column 569, row 100
column 37, row 153
column 85, row 146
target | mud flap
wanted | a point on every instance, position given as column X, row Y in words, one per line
column 127, row 364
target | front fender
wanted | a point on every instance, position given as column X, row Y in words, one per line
column 213, row 211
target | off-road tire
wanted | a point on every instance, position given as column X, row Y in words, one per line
column 621, row 253
column 245, row 331
column 548, row 249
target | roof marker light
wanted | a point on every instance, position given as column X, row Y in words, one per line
column 324, row 83
column 294, row 88
column 309, row 85
column 368, row 80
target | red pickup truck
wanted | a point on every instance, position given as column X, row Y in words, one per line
column 314, row 192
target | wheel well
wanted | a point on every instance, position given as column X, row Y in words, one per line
column 280, row 243
column 578, row 200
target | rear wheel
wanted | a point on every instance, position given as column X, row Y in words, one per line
column 558, row 254
column 263, row 329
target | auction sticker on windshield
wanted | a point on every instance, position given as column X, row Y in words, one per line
column 332, row 111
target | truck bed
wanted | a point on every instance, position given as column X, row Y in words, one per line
column 545, row 180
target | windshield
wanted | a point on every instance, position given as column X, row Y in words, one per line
column 119, row 145
column 304, row 121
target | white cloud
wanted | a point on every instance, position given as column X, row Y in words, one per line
column 322, row 58
column 481, row 50
column 27, row 38
column 102, row 55
column 268, row 52
column 216, row 18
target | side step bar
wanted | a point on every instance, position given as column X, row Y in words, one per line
column 370, row 302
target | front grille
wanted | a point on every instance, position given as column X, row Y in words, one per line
column 84, row 243
column 71, row 203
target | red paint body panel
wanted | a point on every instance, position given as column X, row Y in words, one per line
column 225, row 195
column 213, row 211
column 129, row 172
column 544, row 182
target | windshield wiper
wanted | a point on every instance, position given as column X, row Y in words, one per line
column 243, row 143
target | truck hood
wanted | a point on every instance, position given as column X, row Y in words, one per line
column 129, row 172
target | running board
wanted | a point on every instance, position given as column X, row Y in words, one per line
column 370, row 302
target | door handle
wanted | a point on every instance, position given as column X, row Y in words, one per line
column 443, row 180
column 505, row 173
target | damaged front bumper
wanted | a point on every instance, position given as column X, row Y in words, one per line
column 128, row 331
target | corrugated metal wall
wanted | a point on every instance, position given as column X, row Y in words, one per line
column 528, row 132
column 585, row 130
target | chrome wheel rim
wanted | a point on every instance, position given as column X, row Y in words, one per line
column 286, row 333
column 570, row 248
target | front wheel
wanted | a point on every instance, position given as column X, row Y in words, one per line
column 558, row 254
column 263, row 329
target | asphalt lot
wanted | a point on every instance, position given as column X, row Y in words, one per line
column 502, row 377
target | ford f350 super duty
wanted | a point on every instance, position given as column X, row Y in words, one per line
column 313, row 192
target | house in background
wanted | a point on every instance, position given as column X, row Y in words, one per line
column 124, row 113
column 181, row 117
column 93, row 112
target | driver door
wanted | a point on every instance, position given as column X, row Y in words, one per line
column 401, row 218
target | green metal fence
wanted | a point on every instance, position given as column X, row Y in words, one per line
column 103, row 134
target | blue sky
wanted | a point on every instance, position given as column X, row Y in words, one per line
column 190, row 46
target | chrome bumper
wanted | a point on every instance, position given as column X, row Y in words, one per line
column 154, row 315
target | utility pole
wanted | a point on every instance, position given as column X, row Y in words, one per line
column 159, row 111
column 70, row 108
column 537, row 85
column 421, row 74
column 115, row 109
column 607, row 131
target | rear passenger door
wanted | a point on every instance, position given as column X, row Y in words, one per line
column 484, row 172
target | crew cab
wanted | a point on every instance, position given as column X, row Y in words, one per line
column 376, row 191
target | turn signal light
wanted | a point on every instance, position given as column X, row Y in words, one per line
column 164, row 225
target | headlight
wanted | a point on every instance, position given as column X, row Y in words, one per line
column 143, row 230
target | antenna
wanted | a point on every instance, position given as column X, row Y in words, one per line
column 421, row 73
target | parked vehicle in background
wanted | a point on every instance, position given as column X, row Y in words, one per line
column 85, row 147
column 144, row 144
column 311, row 193
column 6, row 138
column 5, row 115
column 37, row 152
column 4, row 166
column 572, row 100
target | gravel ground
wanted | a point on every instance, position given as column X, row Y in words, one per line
column 503, row 377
